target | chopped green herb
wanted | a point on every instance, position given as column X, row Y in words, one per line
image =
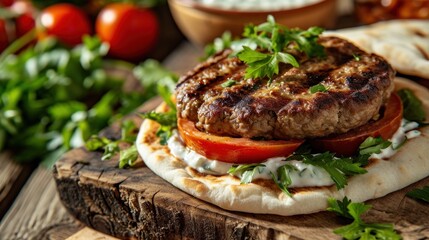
column 358, row 229
column 54, row 98
column 218, row 45
column 420, row 194
column 247, row 171
column 373, row 145
column 413, row 108
column 111, row 147
column 338, row 168
column 340, row 207
column 265, row 46
column 167, row 120
column 228, row 83
column 318, row 88
column 356, row 57
column 128, row 157
column 283, row 180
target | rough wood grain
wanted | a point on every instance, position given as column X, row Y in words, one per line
column 12, row 178
column 134, row 203
column 38, row 213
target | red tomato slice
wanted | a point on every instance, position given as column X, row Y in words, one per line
column 348, row 143
column 233, row 150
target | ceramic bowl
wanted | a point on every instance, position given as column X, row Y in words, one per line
column 201, row 24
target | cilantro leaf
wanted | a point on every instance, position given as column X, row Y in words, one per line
column 413, row 108
column 373, row 145
column 359, row 229
column 420, row 194
column 283, row 180
column 247, row 171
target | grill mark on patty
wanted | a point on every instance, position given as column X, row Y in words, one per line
column 285, row 108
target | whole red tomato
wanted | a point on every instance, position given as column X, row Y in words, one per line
column 65, row 21
column 6, row 3
column 4, row 39
column 131, row 31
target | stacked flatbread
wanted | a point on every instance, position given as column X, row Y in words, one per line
column 403, row 43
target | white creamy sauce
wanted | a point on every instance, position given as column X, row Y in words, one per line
column 305, row 175
column 256, row 5
column 405, row 131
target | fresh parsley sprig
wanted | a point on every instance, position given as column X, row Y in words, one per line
column 247, row 171
column 283, row 180
column 167, row 120
column 338, row 168
column 265, row 46
column 273, row 43
column 420, row 194
column 359, row 229
column 127, row 156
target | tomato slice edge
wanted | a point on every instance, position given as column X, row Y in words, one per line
column 347, row 144
column 233, row 150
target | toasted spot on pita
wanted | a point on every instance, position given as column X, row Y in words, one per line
column 418, row 32
column 195, row 185
column 422, row 51
column 308, row 189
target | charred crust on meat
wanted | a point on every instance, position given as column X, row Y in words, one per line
column 283, row 107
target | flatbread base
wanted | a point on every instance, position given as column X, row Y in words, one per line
column 403, row 43
column 410, row 164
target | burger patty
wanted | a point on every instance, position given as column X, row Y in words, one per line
column 357, row 84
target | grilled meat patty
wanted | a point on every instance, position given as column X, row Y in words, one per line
column 357, row 84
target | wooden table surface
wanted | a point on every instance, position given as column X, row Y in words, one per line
column 29, row 204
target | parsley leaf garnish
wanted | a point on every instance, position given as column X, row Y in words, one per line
column 127, row 156
column 167, row 120
column 218, row 45
column 373, row 145
column 359, row 229
column 340, row 207
column 283, row 180
column 420, row 194
column 338, row 168
column 267, row 45
column 246, row 171
column 413, row 107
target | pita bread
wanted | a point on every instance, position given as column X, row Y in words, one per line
column 408, row 165
column 403, row 43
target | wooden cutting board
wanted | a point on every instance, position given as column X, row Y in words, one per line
column 137, row 204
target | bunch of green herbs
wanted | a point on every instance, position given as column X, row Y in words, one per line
column 54, row 98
